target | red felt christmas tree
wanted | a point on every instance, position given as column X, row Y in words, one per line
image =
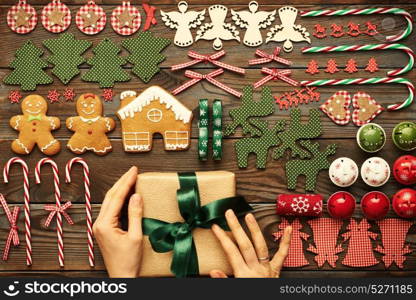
column 312, row 67
column 372, row 65
column 351, row 66
column 332, row 66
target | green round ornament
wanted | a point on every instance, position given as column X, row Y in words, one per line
column 404, row 136
column 371, row 137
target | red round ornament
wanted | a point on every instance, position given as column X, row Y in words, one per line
column 375, row 205
column 404, row 203
column 404, row 169
column 126, row 19
column 56, row 17
column 341, row 205
column 91, row 18
column 22, row 17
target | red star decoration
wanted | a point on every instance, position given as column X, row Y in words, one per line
column 108, row 95
column 69, row 95
column 15, row 96
column 53, row 96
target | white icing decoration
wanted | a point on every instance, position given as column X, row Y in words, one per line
column 86, row 120
column 22, row 145
column 48, row 145
column 71, row 121
column 107, row 124
column 17, row 122
column 52, row 123
column 126, row 94
column 85, row 148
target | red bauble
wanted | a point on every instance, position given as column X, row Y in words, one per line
column 341, row 205
column 404, row 169
column 375, row 205
column 404, row 203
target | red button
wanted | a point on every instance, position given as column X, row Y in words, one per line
column 34, row 123
column 34, row 130
column 89, row 131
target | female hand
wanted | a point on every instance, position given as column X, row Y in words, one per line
column 121, row 250
column 247, row 260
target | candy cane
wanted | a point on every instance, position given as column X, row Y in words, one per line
column 57, row 203
column 87, row 201
column 374, row 80
column 26, row 196
column 369, row 47
column 368, row 11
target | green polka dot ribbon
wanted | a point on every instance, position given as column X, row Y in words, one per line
column 145, row 54
column 28, row 68
column 203, row 129
column 217, row 130
column 66, row 55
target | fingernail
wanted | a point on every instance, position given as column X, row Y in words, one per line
column 214, row 227
column 136, row 199
column 250, row 218
column 229, row 213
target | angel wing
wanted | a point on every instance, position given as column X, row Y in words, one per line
column 265, row 18
column 205, row 32
column 275, row 34
column 195, row 18
column 242, row 18
column 300, row 34
column 230, row 32
column 171, row 19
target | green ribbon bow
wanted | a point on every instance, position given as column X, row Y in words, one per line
column 38, row 117
column 177, row 237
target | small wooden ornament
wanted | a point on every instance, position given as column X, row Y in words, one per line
column 91, row 18
column 126, row 19
column 365, row 108
column 288, row 32
column 183, row 21
column 217, row 30
column 337, row 107
column 253, row 20
column 56, row 17
column 22, row 17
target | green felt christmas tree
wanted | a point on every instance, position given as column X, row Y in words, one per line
column 66, row 56
column 28, row 68
column 106, row 65
column 145, row 54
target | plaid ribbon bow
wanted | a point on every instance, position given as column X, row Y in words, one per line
column 13, row 236
column 208, row 58
column 266, row 58
column 54, row 209
column 276, row 74
column 196, row 77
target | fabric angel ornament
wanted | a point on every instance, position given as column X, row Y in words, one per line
column 253, row 20
column 288, row 32
column 217, row 30
column 183, row 20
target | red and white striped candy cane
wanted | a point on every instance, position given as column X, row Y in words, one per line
column 86, row 170
column 59, row 231
column 26, row 196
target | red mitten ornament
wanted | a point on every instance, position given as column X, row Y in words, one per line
column 360, row 251
column 404, row 169
column 404, row 203
column 296, row 257
column 299, row 205
column 126, row 19
column 341, row 205
column 325, row 236
column 393, row 236
column 91, row 18
column 375, row 205
column 56, row 17
column 22, row 17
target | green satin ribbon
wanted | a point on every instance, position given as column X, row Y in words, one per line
column 38, row 117
column 177, row 237
column 203, row 129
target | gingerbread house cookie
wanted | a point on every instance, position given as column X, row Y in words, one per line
column 154, row 111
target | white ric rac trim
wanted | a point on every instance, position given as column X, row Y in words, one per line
column 17, row 122
column 83, row 149
column 126, row 94
column 22, row 145
column 156, row 93
column 48, row 145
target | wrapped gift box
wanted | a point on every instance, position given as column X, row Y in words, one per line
column 160, row 202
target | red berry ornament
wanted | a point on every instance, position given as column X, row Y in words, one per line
column 404, row 203
column 375, row 205
column 341, row 205
column 404, row 170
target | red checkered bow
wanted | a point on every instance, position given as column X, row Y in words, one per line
column 266, row 58
column 207, row 58
column 150, row 16
column 13, row 236
column 54, row 209
column 196, row 77
column 275, row 74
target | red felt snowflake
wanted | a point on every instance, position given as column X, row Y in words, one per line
column 53, row 96
column 15, row 96
column 108, row 95
column 69, row 95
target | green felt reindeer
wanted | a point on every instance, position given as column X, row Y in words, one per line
column 298, row 131
column 258, row 145
column 310, row 167
column 250, row 108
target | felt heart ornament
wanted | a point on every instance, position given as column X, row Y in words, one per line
column 337, row 107
column 365, row 108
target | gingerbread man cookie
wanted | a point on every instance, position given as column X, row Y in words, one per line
column 90, row 127
column 35, row 127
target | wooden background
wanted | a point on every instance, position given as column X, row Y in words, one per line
column 260, row 187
